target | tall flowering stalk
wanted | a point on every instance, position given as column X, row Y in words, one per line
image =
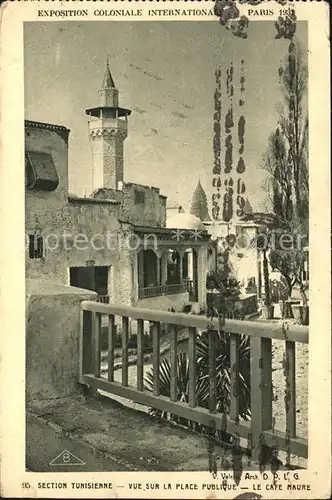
column 216, row 180
column 241, row 167
column 227, row 213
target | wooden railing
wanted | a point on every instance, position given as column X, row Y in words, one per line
column 159, row 290
column 259, row 431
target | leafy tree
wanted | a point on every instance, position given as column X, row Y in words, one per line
column 286, row 157
column 278, row 186
column 286, row 162
column 293, row 122
column 288, row 258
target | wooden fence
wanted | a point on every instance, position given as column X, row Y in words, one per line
column 259, row 431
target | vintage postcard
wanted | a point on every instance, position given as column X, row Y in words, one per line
column 165, row 249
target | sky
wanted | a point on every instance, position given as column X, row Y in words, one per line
column 64, row 66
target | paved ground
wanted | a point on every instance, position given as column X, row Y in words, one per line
column 105, row 435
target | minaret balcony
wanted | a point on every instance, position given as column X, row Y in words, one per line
column 108, row 112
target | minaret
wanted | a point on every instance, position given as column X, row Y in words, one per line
column 107, row 129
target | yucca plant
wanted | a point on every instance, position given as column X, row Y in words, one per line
column 182, row 388
column 223, row 370
column 229, row 290
column 223, row 386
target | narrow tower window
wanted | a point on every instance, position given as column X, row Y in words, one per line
column 36, row 246
column 139, row 197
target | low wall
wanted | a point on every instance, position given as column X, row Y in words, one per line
column 177, row 301
column 52, row 338
column 245, row 304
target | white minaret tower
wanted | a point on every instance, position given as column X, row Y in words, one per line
column 108, row 129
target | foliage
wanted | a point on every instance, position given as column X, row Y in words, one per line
column 223, row 369
column 228, row 286
column 286, row 157
column 182, row 386
column 229, row 290
column 289, row 258
column 223, row 380
column 278, row 185
column 286, row 162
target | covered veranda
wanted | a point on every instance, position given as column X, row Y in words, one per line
column 172, row 262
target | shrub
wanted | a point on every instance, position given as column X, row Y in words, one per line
column 223, row 386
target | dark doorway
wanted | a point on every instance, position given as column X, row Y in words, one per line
column 93, row 278
column 101, row 280
column 173, row 268
column 195, row 277
column 185, row 266
column 150, row 268
column 82, row 277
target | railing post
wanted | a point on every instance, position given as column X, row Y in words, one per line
column 96, row 330
column 125, row 337
column 212, row 371
column 174, row 346
column 155, row 329
column 192, row 366
column 140, row 354
column 86, row 348
column 111, row 344
column 235, row 362
column 290, row 390
column 261, row 393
